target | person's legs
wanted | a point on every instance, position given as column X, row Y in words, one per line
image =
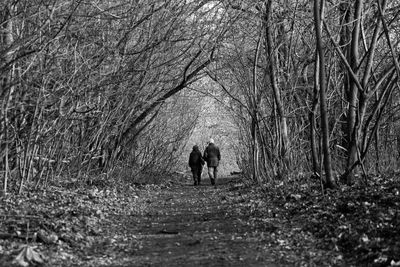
column 199, row 176
column 215, row 174
column 195, row 172
column 211, row 174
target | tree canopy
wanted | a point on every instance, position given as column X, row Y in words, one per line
column 106, row 86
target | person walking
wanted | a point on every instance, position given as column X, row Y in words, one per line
column 212, row 156
column 196, row 163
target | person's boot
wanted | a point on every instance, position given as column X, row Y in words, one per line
column 212, row 181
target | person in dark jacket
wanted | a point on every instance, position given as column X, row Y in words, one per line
column 212, row 156
column 196, row 163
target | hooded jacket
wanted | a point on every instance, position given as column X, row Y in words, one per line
column 195, row 159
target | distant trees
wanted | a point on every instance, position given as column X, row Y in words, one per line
column 157, row 149
column 338, row 56
column 366, row 72
column 82, row 81
column 261, row 71
column 88, row 86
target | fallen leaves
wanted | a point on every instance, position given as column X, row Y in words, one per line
column 47, row 238
column 61, row 221
column 295, row 225
column 361, row 222
column 357, row 225
column 27, row 256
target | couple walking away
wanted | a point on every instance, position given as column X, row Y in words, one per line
column 211, row 155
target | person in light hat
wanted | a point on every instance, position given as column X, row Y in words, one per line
column 212, row 156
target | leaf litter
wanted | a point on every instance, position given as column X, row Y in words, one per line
column 235, row 223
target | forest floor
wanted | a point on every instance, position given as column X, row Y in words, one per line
column 177, row 224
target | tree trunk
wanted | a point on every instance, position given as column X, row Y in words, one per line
column 344, row 39
column 254, row 124
column 271, row 55
column 352, row 123
column 6, row 88
column 313, row 138
column 318, row 13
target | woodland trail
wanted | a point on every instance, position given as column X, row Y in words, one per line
column 170, row 224
column 195, row 226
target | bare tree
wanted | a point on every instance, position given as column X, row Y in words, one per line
column 318, row 16
column 91, row 77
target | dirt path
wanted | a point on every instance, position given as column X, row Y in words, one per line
column 175, row 224
column 192, row 226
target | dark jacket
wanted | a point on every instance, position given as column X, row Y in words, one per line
column 195, row 159
column 212, row 155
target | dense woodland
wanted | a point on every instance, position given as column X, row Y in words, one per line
column 114, row 88
column 102, row 101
